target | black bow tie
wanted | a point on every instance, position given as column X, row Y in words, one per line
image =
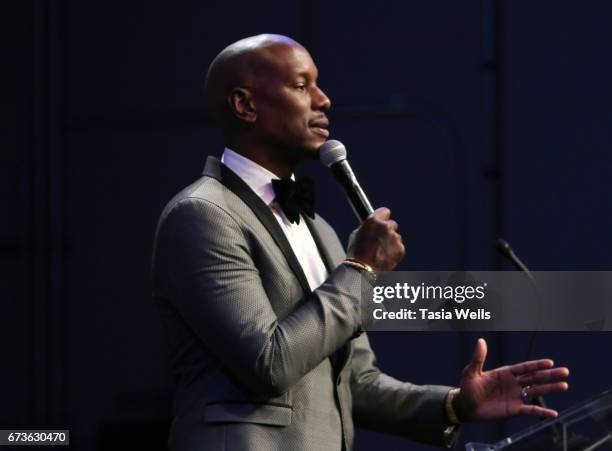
column 295, row 197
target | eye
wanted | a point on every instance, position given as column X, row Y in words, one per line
column 301, row 87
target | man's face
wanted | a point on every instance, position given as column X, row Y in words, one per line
column 290, row 106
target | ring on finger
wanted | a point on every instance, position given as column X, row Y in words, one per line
column 524, row 395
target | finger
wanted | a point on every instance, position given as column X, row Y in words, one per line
column 391, row 225
column 531, row 409
column 545, row 389
column 382, row 213
column 543, row 376
column 480, row 354
column 401, row 251
column 395, row 248
column 531, row 366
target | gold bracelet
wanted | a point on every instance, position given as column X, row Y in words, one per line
column 448, row 404
column 361, row 264
column 354, row 263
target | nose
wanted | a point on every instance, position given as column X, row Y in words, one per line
column 320, row 101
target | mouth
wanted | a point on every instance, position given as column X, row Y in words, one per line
column 320, row 127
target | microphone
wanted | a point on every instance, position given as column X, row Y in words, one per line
column 504, row 248
column 333, row 155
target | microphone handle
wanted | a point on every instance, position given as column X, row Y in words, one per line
column 520, row 266
column 344, row 174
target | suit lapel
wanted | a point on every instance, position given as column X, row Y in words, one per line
column 217, row 170
column 339, row 358
column 327, row 260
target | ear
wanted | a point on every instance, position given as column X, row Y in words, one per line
column 242, row 105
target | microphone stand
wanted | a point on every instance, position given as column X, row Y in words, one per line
column 506, row 251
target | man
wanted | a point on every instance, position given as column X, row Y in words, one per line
column 261, row 303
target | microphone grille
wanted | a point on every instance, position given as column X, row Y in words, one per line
column 331, row 152
column 503, row 247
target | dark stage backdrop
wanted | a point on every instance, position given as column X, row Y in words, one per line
column 470, row 120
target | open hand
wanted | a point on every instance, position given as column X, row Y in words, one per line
column 496, row 394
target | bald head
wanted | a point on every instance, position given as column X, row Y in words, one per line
column 264, row 92
column 242, row 64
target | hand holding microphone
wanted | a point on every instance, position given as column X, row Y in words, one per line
column 376, row 242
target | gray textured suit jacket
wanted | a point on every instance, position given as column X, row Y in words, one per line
column 260, row 361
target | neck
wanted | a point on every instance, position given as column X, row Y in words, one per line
column 265, row 158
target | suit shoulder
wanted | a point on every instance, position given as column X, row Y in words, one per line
column 205, row 188
column 205, row 191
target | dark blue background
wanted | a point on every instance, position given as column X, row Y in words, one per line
column 470, row 120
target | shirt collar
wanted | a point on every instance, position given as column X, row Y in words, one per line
column 257, row 177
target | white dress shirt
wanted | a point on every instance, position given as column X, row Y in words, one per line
column 304, row 247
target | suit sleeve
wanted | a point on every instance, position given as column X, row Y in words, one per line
column 384, row 404
column 216, row 287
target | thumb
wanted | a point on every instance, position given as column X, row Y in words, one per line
column 480, row 354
